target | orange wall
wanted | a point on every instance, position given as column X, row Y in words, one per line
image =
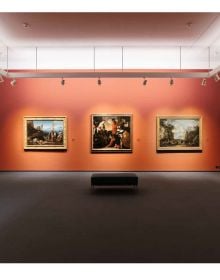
column 80, row 98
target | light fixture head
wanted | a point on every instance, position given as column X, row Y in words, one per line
column 26, row 25
column 1, row 79
column 99, row 82
column 13, row 82
column 145, row 82
column 171, row 81
column 216, row 77
column 62, row 82
column 204, row 82
column 189, row 24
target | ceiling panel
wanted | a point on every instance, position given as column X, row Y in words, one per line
column 105, row 29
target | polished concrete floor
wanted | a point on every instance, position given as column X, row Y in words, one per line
column 55, row 217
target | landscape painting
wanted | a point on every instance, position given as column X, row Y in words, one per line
column 111, row 133
column 179, row 133
column 45, row 133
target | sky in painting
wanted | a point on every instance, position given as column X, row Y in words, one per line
column 181, row 126
column 49, row 124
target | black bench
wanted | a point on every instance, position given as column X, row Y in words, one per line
column 120, row 179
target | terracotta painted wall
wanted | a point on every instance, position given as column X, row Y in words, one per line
column 80, row 98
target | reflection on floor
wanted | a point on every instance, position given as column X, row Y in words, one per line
column 54, row 217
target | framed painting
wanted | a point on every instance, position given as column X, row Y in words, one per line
column 45, row 133
column 180, row 133
column 111, row 133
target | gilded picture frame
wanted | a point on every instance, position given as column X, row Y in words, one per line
column 45, row 133
column 111, row 133
column 179, row 133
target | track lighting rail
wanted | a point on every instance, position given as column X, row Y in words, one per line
column 124, row 74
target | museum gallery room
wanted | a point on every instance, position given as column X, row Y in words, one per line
column 110, row 128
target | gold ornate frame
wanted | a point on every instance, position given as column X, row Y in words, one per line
column 35, row 143
column 129, row 134
column 179, row 148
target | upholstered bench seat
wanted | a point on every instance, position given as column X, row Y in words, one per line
column 120, row 179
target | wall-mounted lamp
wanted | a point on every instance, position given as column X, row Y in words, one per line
column 171, row 81
column 204, row 82
column 13, row 82
column 145, row 82
column 216, row 77
column 99, row 82
column 1, row 79
column 62, row 82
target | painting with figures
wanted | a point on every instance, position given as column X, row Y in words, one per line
column 111, row 133
column 45, row 133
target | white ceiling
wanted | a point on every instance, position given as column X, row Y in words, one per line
column 109, row 29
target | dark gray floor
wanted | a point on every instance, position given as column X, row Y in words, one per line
column 54, row 217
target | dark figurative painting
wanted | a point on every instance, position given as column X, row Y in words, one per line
column 45, row 133
column 112, row 133
column 179, row 133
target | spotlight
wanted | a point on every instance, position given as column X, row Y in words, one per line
column 62, row 82
column 1, row 79
column 13, row 82
column 99, row 82
column 171, row 81
column 217, row 78
column 145, row 82
column 26, row 25
column 204, row 82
